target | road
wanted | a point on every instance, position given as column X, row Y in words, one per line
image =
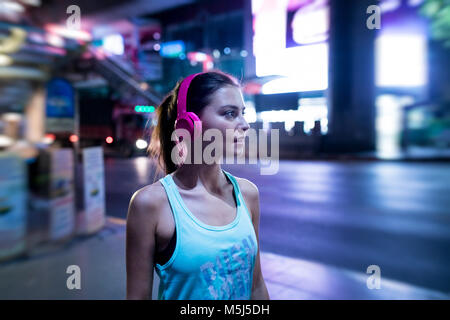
column 345, row 214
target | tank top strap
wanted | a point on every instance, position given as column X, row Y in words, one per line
column 177, row 205
column 240, row 197
column 171, row 192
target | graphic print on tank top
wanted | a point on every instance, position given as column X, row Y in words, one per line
column 228, row 277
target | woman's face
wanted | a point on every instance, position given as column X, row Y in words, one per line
column 225, row 112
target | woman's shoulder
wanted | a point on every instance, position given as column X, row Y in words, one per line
column 248, row 189
column 148, row 199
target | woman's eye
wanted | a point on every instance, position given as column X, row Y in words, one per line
column 229, row 113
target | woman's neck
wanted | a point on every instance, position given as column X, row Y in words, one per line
column 210, row 176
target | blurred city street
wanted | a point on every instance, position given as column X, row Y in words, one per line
column 322, row 225
column 349, row 101
column 346, row 214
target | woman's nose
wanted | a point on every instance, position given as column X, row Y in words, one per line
column 243, row 125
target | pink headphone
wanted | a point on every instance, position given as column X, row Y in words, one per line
column 187, row 120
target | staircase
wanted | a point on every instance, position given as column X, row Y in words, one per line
column 122, row 80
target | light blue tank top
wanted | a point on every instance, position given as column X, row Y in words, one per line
column 208, row 262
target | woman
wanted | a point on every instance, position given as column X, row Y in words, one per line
column 198, row 225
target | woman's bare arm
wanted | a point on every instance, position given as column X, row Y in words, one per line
column 251, row 194
column 140, row 243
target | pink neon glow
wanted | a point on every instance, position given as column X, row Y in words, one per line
column 68, row 33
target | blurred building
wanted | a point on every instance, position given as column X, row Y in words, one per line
column 315, row 62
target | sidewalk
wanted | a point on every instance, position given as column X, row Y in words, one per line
column 101, row 259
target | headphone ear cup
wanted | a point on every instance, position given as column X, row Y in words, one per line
column 196, row 125
column 185, row 123
column 190, row 122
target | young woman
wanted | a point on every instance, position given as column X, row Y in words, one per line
column 198, row 225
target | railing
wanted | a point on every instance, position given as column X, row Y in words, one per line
column 121, row 80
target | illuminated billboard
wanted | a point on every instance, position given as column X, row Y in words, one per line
column 401, row 60
column 289, row 41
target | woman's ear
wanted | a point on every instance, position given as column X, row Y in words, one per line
column 181, row 152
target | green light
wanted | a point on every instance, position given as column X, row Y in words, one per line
column 144, row 108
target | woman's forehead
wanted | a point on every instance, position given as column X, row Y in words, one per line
column 227, row 95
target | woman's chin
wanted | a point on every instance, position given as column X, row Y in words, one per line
column 238, row 148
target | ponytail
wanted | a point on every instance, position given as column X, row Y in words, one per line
column 161, row 145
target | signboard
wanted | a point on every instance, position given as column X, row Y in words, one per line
column 283, row 46
column 60, row 106
column 94, row 189
column 62, row 203
column 13, row 205
column 307, row 22
column 172, row 49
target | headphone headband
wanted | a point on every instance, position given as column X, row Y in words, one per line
column 182, row 94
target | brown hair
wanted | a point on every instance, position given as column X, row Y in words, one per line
column 198, row 97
